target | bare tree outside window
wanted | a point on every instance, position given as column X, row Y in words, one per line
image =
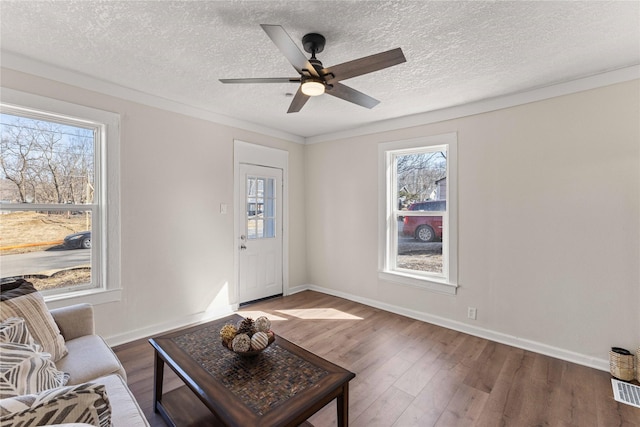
column 47, row 186
column 45, row 161
column 418, row 174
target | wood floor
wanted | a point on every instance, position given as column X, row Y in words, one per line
column 411, row 373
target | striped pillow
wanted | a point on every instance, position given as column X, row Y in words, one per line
column 21, row 299
column 24, row 370
column 84, row 403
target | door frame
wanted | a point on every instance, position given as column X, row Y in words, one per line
column 259, row 155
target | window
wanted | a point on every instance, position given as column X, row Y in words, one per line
column 53, row 191
column 418, row 212
column 261, row 213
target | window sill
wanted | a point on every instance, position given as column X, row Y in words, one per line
column 420, row 282
column 91, row 296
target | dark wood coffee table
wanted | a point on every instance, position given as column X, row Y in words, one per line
column 282, row 386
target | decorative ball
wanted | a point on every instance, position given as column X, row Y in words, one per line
column 227, row 333
column 259, row 340
column 270, row 335
column 241, row 343
column 263, row 324
column 246, row 326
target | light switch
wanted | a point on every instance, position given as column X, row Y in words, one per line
column 223, row 208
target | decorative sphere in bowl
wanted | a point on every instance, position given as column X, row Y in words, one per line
column 245, row 339
column 252, row 351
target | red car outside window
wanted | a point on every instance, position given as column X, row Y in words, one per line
column 425, row 228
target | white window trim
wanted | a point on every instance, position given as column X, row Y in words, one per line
column 387, row 232
column 110, row 289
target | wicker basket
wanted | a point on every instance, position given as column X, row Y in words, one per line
column 622, row 365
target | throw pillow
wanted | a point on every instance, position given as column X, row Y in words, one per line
column 14, row 329
column 24, row 370
column 21, row 299
column 84, row 403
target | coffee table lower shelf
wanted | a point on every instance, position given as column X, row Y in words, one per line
column 185, row 410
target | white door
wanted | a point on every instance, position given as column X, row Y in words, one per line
column 260, row 245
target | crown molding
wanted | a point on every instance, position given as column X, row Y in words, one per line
column 487, row 105
column 23, row 64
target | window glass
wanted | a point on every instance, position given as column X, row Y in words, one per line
column 421, row 182
column 47, row 193
column 261, row 202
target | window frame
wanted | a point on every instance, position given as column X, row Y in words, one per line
column 388, row 214
column 105, row 209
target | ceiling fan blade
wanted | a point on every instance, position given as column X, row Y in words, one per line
column 298, row 101
column 289, row 49
column 365, row 65
column 263, row 80
column 349, row 94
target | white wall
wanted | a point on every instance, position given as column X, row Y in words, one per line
column 549, row 224
column 549, row 263
column 177, row 249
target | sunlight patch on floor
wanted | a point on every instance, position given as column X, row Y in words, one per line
column 319, row 314
column 254, row 314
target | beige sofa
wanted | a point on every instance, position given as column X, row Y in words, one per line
column 90, row 359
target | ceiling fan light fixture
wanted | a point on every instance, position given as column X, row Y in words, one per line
column 312, row 87
column 314, row 78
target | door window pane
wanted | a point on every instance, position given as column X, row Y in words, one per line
column 261, row 202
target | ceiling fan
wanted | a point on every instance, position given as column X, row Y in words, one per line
column 314, row 79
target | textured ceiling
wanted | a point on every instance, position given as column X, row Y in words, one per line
column 457, row 52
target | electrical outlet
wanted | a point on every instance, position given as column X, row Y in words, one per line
column 472, row 313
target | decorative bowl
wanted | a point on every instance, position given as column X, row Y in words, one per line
column 247, row 329
column 251, row 353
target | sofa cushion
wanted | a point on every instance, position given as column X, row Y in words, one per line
column 21, row 299
column 84, row 403
column 125, row 411
column 89, row 357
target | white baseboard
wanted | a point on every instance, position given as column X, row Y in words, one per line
column 296, row 289
column 160, row 328
column 537, row 347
